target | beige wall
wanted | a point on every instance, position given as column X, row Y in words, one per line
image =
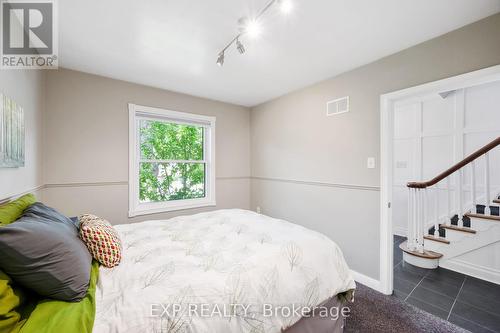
column 86, row 144
column 292, row 139
column 26, row 88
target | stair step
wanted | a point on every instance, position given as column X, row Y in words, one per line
column 437, row 239
column 482, row 216
column 454, row 227
column 496, row 201
column 426, row 255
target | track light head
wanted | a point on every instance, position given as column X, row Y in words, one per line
column 240, row 46
column 286, row 6
column 249, row 26
column 253, row 28
column 220, row 59
column 242, row 23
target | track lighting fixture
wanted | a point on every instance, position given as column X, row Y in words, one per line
column 220, row 59
column 252, row 27
column 240, row 46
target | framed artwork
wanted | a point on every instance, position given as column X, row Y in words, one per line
column 12, row 136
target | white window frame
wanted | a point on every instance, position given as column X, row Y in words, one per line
column 137, row 112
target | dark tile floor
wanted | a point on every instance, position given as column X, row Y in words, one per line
column 463, row 300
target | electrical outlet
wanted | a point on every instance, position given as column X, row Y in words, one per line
column 258, row 210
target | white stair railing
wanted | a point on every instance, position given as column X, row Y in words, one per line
column 418, row 192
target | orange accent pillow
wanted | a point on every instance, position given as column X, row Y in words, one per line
column 101, row 239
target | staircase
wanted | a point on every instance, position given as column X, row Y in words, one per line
column 434, row 238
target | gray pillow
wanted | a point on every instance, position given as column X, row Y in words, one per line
column 40, row 210
column 75, row 221
column 46, row 256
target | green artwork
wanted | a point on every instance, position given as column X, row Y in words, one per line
column 172, row 165
column 11, row 133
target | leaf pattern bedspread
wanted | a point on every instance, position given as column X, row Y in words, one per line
column 224, row 258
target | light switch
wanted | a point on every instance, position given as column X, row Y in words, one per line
column 370, row 163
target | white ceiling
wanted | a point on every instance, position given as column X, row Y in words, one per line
column 173, row 44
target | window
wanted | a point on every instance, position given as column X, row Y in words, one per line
column 171, row 160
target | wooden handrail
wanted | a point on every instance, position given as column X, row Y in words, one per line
column 457, row 166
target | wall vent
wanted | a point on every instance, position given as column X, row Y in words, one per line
column 337, row 106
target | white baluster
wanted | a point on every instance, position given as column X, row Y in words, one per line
column 436, row 211
column 422, row 221
column 415, row 225
column 414, row 217
column 473, row 186
column 448, row 212
column 419, row 220
column 460, row 199
column 487, row 184
column 410, row 219
column 416, row 212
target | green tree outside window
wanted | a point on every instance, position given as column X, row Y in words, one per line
column 172, row 165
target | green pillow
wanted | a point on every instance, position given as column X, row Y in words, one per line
column 11, row 298
column 13, row 210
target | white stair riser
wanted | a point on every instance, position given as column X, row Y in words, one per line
column 455, row 236
column 434, row 246
column 482, row 224
column 420, row 262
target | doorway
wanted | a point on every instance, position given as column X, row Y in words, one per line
column 424, row 131
column 403, row 148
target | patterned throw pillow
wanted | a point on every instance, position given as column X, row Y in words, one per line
column 101, row 239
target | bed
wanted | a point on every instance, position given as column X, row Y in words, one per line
column 222, row 271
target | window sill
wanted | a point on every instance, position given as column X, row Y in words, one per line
column 172, row 208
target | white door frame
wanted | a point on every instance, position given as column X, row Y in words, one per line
column 387, row 101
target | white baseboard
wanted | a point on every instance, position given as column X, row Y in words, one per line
column 367, row 281
column 477, row 271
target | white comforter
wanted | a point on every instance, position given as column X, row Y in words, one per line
column 217, row 272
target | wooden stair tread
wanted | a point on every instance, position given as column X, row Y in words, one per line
column 437, row 239
column 427, row 254
column 482, row 216
column 496, row 201
column 454, row 227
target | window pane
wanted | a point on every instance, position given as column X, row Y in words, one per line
column 171, row 181
column 167, row 141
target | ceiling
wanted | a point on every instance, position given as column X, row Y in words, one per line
column 173, row 44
